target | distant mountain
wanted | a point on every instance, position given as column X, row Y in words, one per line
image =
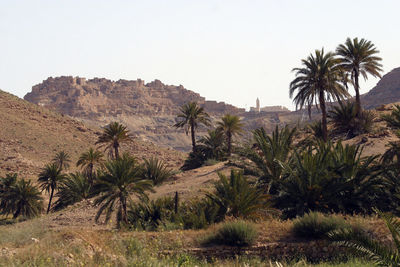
column 149, row 109
column 386, row 91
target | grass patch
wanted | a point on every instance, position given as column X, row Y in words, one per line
column 315, row 225
column 236, row 233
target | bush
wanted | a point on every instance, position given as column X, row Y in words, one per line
column 393, row 120
column 156, row 171
column 211, row 162
column 235, row 233
column 315, row 225
column 345, row 120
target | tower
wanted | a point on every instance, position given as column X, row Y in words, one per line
column 258, row 105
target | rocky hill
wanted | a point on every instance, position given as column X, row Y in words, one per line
column 30, row 136
column 386, row 91
column 149, row 109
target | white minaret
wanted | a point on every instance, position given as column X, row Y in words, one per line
column 258, row 105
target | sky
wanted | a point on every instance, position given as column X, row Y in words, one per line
column 226, row 50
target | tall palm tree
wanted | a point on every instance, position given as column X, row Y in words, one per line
column 49, row 179
column 230, row 125
column 25, row 199
column 121, row 178
column 113, row 135
column 62, row 160
column 190, row 116
column 359, row 57
column 318, row 80
column 88, row 160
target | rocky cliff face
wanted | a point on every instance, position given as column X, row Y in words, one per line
column 386, row 91
column 94, row 98
column 149, row 110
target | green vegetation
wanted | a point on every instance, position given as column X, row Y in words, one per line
column 295, row 173
column 89, row 161
column 230, row 125
column 191, row 116
column 315, row 225
column 113, row 135
column 393, row 119
column 49, row 179
column 358, row 57
column 316, row 82
column 120, row 178
column 235, row 233
column 237, row 197
column 156, row 171
column 380, row 254
column 74, row 188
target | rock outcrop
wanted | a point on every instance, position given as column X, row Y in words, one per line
column 98, row 97
column 386, row 91
column 148, row 109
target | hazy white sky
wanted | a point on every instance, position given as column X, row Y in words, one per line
column 226, row 50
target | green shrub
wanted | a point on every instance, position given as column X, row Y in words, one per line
column 156, row 171
column 346, row 121
column 315, row 225
column 393, row 120
column 235, row 233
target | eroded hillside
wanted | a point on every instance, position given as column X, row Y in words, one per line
column 30, row 135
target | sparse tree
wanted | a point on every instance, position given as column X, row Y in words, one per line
column 190, row 116
column 113, row 135
column 24, row 199
column 88, row 161
column 230, row 125
column 49, row 179
column 317, row 81
column 62, row 160
column 358, row 57
column 121, row 178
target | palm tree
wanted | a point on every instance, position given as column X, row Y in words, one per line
column 88, row 160
column 49, row 179
column 212, row 145
column 155, row 170
column 24, row 199
column 74, row 188
column 6, row 183
column 191, row 115
column 62, row 160
column 392, row 154
column 320, row 79
column 379, row 253
column 230, row 125
column 393, row 119
column 114, row 134
column 359, row 57
column 237, row 197
column 116, row 183
column 271, row 153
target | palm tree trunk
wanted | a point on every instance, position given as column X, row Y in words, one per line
column 91, row 174
column 124, row 213
column 357, row 89
column 116, row 153
column 51, row 197
column 323, row 110
column 193, row 137
column 229, row 140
